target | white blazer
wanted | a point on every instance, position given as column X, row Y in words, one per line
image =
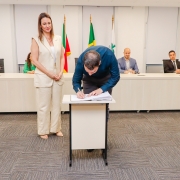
column 46, row 58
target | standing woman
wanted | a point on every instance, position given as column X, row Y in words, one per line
column 48, row 57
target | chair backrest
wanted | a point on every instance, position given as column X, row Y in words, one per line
column 164, row 63
column 76, row 59
column 1, row 65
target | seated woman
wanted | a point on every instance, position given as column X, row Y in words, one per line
column 28, row 66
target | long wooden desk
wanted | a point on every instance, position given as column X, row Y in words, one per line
column 148, row 91
column 17, row 92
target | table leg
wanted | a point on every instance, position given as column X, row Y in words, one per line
column 104, row 151
column 70, row 142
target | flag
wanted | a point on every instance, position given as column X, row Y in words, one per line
column 66, row 46
column 92, row 41
column 113, row 46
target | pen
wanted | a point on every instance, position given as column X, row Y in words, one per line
column 81, row 94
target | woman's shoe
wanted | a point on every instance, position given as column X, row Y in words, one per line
column 60, row 134
column 44, row 136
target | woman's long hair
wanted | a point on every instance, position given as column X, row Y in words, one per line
column 28, row 60
column 41, row 16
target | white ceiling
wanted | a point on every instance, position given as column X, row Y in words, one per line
column 162, row 3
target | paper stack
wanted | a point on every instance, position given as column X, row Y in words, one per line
column 101, row 97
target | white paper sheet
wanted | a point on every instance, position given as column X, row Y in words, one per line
column 101, row 97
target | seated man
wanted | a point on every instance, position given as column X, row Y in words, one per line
column 172, row 65
column 126, row 64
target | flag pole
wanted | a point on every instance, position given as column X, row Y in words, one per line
column 113, row 36
column 112, row 21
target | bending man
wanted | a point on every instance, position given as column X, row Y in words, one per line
column 97, row 67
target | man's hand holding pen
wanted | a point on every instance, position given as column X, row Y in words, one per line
column 80, row 94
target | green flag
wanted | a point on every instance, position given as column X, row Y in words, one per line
column 92, row 41
column 64, row 37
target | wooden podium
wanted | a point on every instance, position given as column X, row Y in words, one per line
column 88, row 125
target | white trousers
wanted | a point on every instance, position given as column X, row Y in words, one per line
column 49, row 109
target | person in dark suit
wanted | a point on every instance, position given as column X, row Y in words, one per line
column 97, row 68
column 126, row 64
column 172, row 65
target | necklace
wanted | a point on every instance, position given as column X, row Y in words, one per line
column 49, row 39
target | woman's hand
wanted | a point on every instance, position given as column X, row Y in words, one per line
column 30, row 72
column 51, row 75
column 58, row 76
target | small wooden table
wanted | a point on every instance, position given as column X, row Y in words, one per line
column 88, row 125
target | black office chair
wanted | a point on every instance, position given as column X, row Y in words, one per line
column 164, row 63
column 76, row 59
column 1, row 65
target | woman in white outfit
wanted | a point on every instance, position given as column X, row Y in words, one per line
column 48, row 56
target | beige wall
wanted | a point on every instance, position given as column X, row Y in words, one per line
column 130, row 31
column 7, row 38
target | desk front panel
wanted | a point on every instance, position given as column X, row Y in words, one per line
column 146, row 92
column 88, row 126
column 17, row 92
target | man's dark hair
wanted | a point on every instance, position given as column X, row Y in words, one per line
column 91, row 59
column 172, row 51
